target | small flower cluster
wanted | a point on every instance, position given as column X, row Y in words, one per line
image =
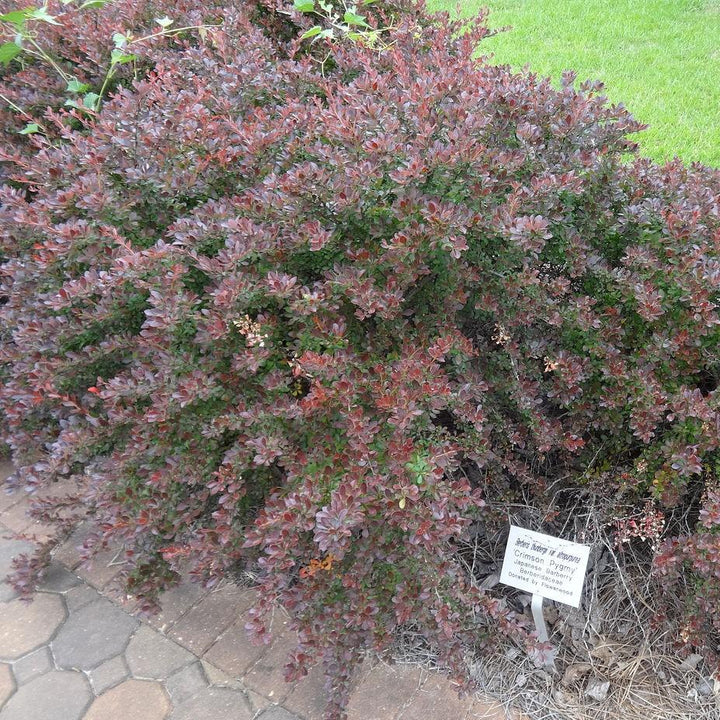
column 251, row 330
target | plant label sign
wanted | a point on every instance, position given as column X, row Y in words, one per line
column 545, row 565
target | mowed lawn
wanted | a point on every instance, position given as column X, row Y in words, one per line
column 661, row 58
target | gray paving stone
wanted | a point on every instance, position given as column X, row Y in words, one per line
column 308, row 697
column 92, row 635
column 213, row 704
column 68, row 554
column 17, row 518
column 187, row 682
column 219, row 678
column 233, row 652
column 176, row 602
column 7, row 499
column 79, row 596
column 57, row 579
column 276, row 712
column 8, row 550
column 259, row 702
column 7, row 683
column 25, row 627
column 132, row 700
column 54, row 696
column 150, row 655
column 201, row 626
column 32, row 665
column 6, row 590
column 101, row 568
column 267, row 675
column 109, row 674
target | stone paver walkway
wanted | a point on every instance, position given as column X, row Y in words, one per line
column 78, row 652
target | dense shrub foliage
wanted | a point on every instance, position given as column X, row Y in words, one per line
column 331, row 317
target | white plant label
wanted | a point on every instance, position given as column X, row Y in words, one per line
column 545, row 565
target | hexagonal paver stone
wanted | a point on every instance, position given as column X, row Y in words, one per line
column 136, row 699
column 6, row 683
column 213, row 704
column 109, row 674
column 277, row 713
column 57, row 579
column 8, row 550
column 24, row 627
column 219, row 678
column 91, row 635
column 54, row 696
column 32, row 665
column 187, row 682
column 81, row 595
column 150, row 655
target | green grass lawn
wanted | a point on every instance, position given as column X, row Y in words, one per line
column 661, row 58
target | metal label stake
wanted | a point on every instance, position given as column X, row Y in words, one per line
column 537, row 613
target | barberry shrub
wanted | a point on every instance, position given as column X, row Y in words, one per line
column 325, row 310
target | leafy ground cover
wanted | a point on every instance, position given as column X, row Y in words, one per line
column 661, row 58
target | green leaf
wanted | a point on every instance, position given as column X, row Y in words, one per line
column 118, row 57
column 8, row 51
column 93, row 3
column 17, row 17
column 77, row 87
column 352, row 18
column 42, row 15
column 305, row 6
column 327, row 33
column 91, row 101
column 164, row 22
column 312, row 32
column 29, row 129
column 120, row 40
